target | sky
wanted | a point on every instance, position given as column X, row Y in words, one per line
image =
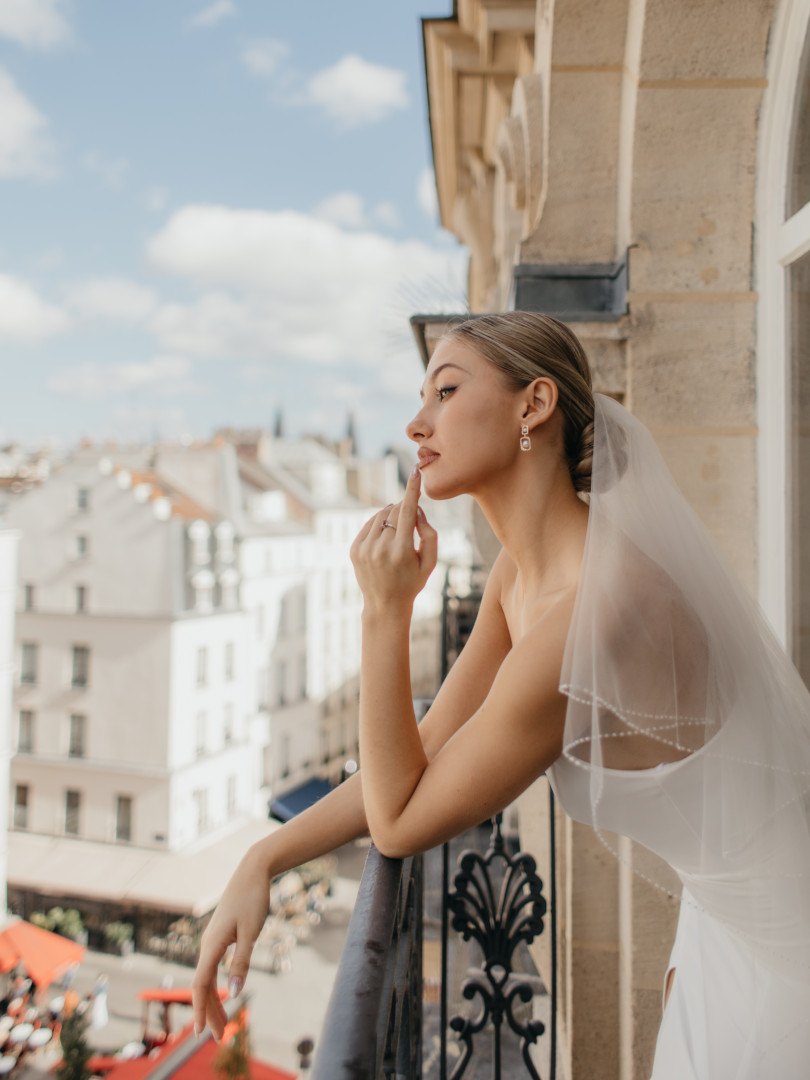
column 213, row 210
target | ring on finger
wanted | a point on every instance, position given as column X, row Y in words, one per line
column 387, row 525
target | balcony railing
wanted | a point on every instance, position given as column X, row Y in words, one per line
column 379, row 1017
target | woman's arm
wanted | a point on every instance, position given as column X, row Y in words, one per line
column 411, row 801
column 340, row 816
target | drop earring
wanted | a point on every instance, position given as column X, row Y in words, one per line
column 525, row 441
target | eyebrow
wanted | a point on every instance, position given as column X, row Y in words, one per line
column 438, row 370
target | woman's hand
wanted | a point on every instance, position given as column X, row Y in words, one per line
column 390, row 567
column 238, row 918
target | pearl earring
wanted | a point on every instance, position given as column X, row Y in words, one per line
column 525, row 441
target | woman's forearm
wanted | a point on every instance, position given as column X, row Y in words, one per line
column 391, row 751
column 333, row 821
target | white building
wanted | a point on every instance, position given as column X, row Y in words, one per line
column 8, row 594
column 188, row 646
column 133, row 720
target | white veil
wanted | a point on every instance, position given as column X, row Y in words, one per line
column 691, row 724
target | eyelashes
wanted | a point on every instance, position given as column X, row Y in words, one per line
column 443, row 391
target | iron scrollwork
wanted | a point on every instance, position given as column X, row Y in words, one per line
column 498, row 901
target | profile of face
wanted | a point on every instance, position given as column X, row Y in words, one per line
column 468, row 428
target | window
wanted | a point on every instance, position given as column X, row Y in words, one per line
column 281, row 683
column 123, row 818
column 228, row 661
column 82, row 546
column 73, row 802
column 81, row 599
column 28, row 598
column 76, row 740
column 202, row 666
column 21, row 806
column 200, row 798
column 82, row 499
column 231, row 796
column 227, row 726
column 302, row 676
column 80, row 676
column 201, row 725
column 28, row 668
column 25, row 732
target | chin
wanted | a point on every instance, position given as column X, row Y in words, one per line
column 438, row 490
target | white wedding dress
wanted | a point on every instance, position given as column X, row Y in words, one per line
column 688, row 729
column 729, row 1015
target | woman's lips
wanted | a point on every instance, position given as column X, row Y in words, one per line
column 426, row 459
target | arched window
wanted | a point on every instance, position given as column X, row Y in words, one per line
column 783, row 345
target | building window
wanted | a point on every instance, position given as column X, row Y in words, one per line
column 200, row 798
column 228, row 661
column 302, row 676
column 28, row 598
column 227, row 727
column 281, row 683
column 28, row 668
column 73, row 802
column 21, row 806
column 80, row 675
column 81, row 599
column 123, row 818
column 25, row 732
column 83, row 499
column 201, row 725
column 231, row 796
column 76, row 740
column 202, row 666
column 82, row 546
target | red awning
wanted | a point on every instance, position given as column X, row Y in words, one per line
column 198, row 1066
column 45, row 956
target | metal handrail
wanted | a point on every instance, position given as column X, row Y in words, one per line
column 372, row 1028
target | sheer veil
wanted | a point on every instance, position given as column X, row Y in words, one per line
column 687, row 725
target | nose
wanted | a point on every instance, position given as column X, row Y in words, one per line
column 417, row 428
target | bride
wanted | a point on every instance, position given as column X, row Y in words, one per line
column 613, row 651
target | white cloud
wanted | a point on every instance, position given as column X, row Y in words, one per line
column 166, row 375
column 356, row 92
column 426, row 194
column 25, row 149
column 112, row 298
column 290, row 286
column 263, row 55
column 212, row 14
column 39, row 24
column 112, row 171
column 24, row 315
column 344, row 208
column 387, row 214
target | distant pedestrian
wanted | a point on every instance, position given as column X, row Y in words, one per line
column 99, row 1014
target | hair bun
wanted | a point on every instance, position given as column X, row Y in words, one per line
column 581, row 469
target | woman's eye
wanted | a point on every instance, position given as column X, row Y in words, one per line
column 444, row 391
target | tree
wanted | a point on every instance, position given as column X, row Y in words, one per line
column 75, row 1051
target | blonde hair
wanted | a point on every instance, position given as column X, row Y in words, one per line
column 525, row 345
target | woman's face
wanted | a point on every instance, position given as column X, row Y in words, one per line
column 468, row 428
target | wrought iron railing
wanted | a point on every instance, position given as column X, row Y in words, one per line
column 374, row 1024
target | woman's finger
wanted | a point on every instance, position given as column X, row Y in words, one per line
column 428, row 540
column 408, row 507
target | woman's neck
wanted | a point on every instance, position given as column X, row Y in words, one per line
column 541, row 523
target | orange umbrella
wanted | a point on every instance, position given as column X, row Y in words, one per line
column 45, row 956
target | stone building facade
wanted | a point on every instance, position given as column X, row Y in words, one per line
column 642, row 169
